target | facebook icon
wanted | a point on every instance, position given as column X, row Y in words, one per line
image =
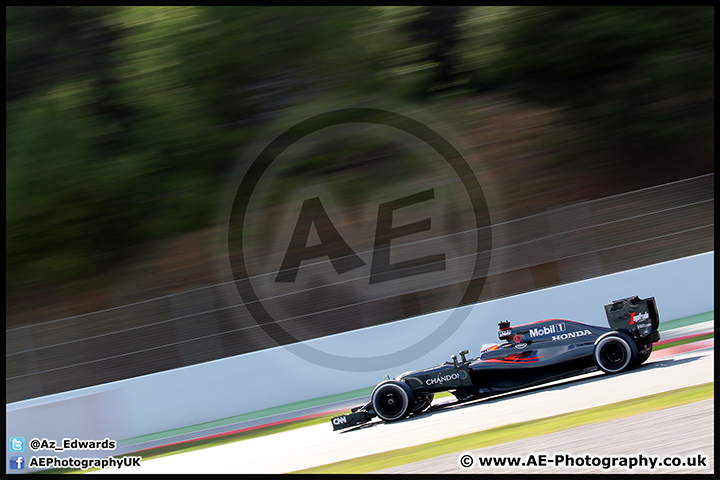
column 17, row 462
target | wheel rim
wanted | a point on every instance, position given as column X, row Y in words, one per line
column 389, row 405
column 614, row 354
column 390, row 402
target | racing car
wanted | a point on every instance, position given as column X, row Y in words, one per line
column 530, row 354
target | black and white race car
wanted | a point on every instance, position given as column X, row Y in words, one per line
column 531, row 354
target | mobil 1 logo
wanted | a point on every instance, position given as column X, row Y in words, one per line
column 353, row 218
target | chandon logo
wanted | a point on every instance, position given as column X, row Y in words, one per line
column 565, row 336
column 444, row 378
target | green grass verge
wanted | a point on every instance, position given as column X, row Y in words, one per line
column 683, row 342
column 443, row 395
column 685, row 321
column 517, row 431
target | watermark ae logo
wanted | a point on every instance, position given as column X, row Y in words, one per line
column 352, row 218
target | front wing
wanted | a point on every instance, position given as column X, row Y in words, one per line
column 358, row 416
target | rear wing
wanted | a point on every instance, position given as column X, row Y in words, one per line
column 636, row 316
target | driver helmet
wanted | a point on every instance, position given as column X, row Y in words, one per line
column 488, row 347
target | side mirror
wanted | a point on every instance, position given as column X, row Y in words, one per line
column 454, row 359
column 462, row 355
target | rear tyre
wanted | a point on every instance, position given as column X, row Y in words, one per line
column 423, row 402
column 392, row 400
column 615, row 352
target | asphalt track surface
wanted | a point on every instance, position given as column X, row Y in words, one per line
column 319, row 445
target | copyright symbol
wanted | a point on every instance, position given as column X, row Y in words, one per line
column 466, row 461
column 34, row 444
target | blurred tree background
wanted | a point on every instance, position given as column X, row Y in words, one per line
column 123, row 122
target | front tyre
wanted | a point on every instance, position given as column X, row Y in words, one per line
column 615, row 352
column 392, row 400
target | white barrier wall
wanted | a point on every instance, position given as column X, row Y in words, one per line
column 267, row 378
